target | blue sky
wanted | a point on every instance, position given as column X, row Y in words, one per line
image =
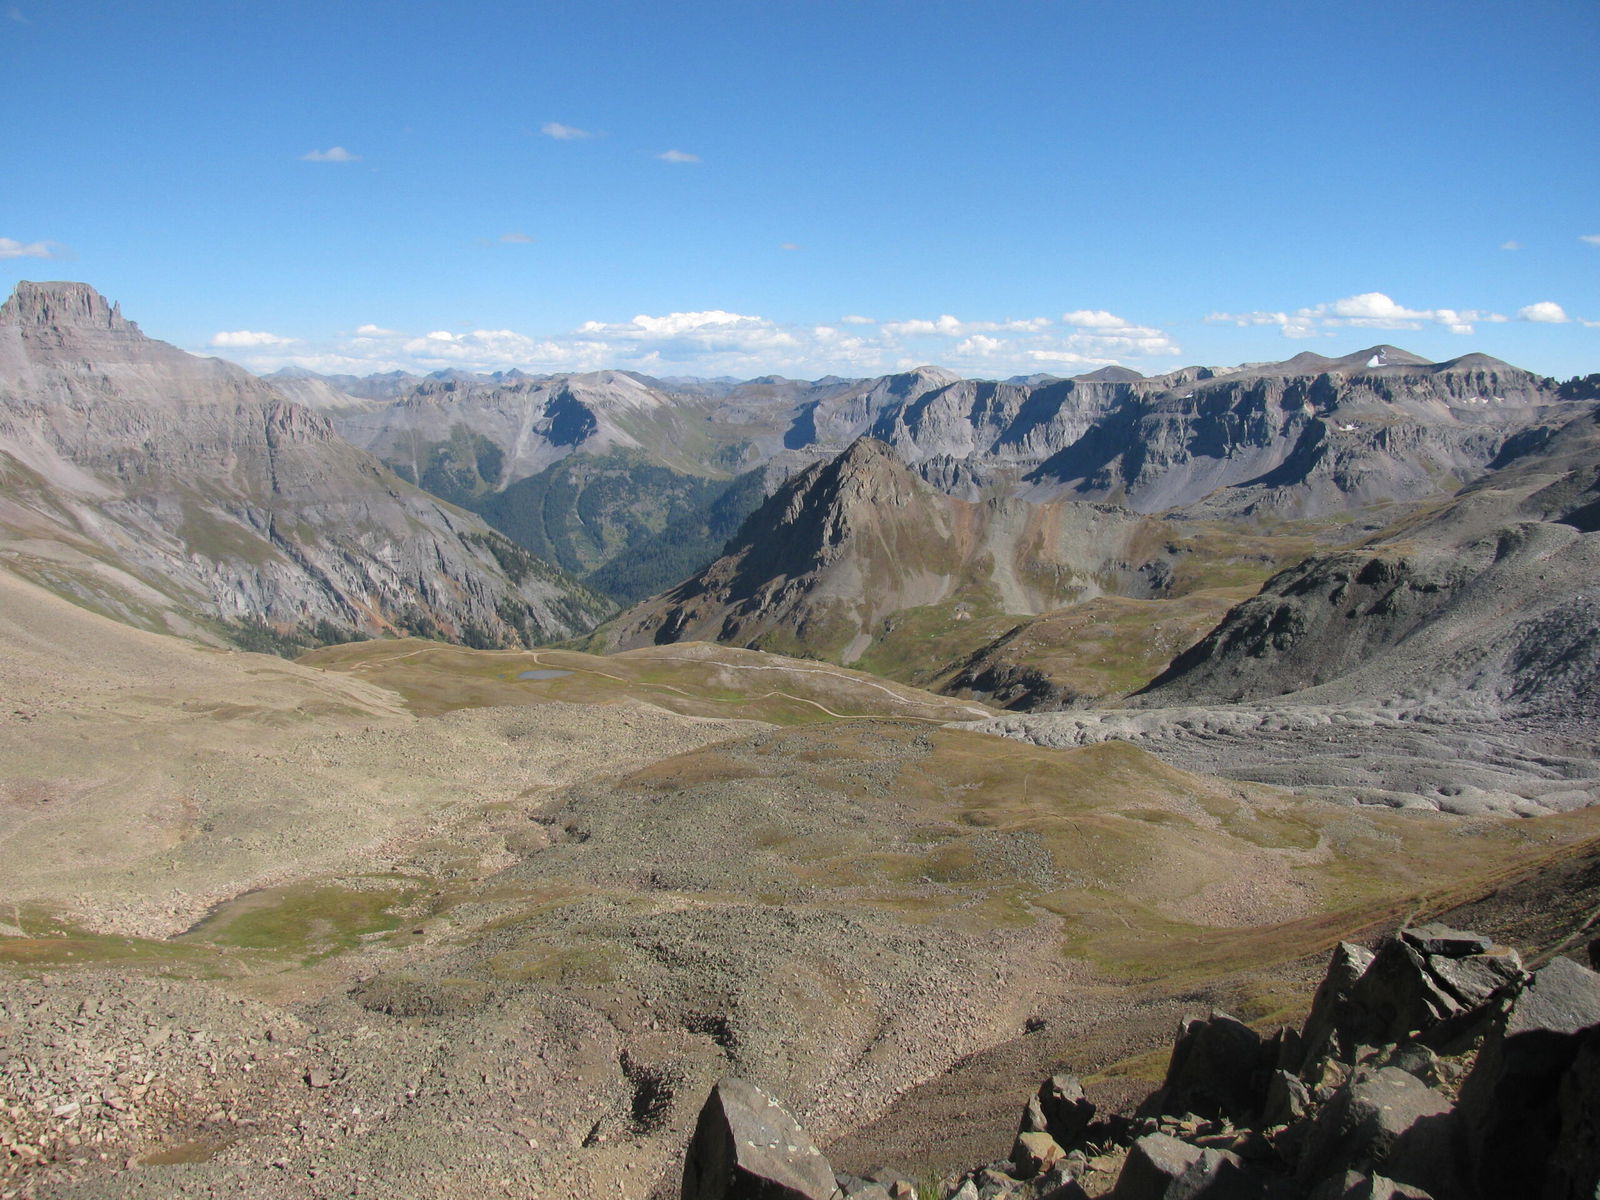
column 806, row 188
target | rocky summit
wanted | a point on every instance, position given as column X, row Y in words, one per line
column 183, row 493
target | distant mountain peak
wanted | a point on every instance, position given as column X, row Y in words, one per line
column 1383, row 355
column 63, row 304
column 1113, row 373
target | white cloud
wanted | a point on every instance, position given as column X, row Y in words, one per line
column 788, row 246
column 712, row 342
column 1093, row 318
column 13, row 13
column 564, row 133
column 11, row 248
column 515, row 239
column 1592, row 238
column 674, row 324
column 1064, row 358
column 1096, row 337
column 1374, row 306
column 980, row 345
column 1546, row 312
column 240, row 338
column 1512, row 245
column 1369, row 310
column 678, row 156
column 948, row 326
column 333, row 154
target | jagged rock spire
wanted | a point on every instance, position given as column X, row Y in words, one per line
column 61, row 304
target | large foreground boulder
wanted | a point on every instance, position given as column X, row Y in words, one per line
column 1384, row 1122
column 1059, row 1109
column 1161, row 1167
column 746, row 1146
column 1219, row 1068
column 1513, row 1103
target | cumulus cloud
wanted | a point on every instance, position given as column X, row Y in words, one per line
column 564, row 133
column 1369, row 310
column 713, row 342
column 678, row 156
column 1093, row 337
column 11, row 248
column 1093, row 318
column 948, row 326
column 673, row 324
column 244, row 338
column 333, row 154
column 1546, row 312
column 515, row 239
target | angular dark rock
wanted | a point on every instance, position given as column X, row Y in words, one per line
column 1396, row 997
column 1384, row 1121
column 1355, row 1185
column 1473, row 979
column 1330, row 1006
column 1511, row 1102
column 1216, row 1070
column 1059, row 1109
column 1575, row 1165
column 1160, row 1167
column 746, row 1146
column 1287, row 1099
column 1442, row 940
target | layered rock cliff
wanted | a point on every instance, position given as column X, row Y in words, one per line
column 172, row 490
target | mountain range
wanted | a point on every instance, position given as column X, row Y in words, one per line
column 1307, row 438
column 954, row 733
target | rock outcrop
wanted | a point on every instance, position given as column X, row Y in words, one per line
column 179, row 492
column 1437, row 1068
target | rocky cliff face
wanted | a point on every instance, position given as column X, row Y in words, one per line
column 1487, row 602
column 165, row 488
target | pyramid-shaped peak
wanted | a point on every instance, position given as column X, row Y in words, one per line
column 1111, row 373
column 865, row 453
column 1383, row 355
column 920, row 379
column 62, row 304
